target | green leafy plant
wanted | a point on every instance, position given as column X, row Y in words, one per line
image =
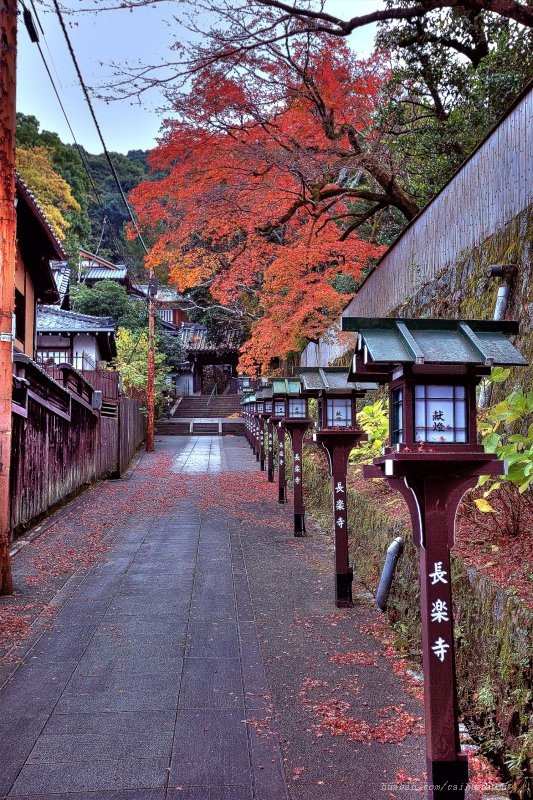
column 374, row 420
column 506, row 433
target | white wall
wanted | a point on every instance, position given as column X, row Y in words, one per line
column 85, row 343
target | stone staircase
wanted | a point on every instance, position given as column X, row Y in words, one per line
column 203, row 407
column 204, row 416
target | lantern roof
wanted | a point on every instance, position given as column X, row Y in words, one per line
column 287, row 386
column 264, row 393
column 248, row 398
column 389, row 341
column 331, row 379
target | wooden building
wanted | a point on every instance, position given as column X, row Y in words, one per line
column 37, row 244
column 67, row 337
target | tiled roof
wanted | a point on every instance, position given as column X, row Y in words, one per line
column 61, row 273
column 95, row 260
column 51, row 319
column 165, row 294
column 197, row 337
column 436, row 341
column 105, row 273
column 32, row 201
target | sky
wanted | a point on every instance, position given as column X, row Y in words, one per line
column 119, row 36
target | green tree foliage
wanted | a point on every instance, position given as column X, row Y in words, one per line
column 54, row 194
column 86, row 224
column 67, row 163
column 132, row 363
column 131, row 170
column 454, row 73
column 110, row 299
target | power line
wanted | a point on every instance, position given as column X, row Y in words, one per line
column 34, row 37
column 91, row 109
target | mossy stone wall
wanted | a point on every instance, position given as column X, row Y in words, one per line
column 465, row 291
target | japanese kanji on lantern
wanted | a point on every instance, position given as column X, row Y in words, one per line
column 283, row 389
column 246, row 405
column 432, row 368
column 260, row 417
column 296, row 423
column 268, row 430
column 337, row 434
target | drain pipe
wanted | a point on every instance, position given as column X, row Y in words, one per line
column 506, row 272
column 394, row 552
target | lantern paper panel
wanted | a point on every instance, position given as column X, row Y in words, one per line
column 440, row 414
column 279, row 408
column 339, row 412
column 268, row 407
column 297, row 408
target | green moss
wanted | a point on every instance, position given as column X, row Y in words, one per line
column 464, row 289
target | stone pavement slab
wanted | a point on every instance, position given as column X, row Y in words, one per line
column 173, row 664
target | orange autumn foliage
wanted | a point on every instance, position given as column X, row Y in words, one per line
column 257, row 185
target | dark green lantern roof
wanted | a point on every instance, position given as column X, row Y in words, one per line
column 264, row 393
column 286, row 386
column 436, row 341
column 332, row 379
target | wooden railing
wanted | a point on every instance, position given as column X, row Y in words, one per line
column 60, row 441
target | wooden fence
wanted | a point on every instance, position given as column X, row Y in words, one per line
column 64, row 438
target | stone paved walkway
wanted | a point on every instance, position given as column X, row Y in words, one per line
column 174, row 667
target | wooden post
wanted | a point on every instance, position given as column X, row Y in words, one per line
column 282, row 483
column 262, row 441
column 296, row 429
column 8, row 227
column 433, row 502
column 270, row 451
column 150, row 400
column 338, row 446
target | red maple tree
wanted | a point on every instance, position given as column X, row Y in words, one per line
column 261, row 182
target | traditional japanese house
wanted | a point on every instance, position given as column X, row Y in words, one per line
column 170, row 306
column 37, row 244
column 72, row 338
column 211, row 360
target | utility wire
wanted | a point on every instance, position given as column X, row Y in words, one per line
column 91, row 109
column 34, row 37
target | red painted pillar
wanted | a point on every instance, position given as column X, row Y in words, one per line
column 296, row 430
column 338, row 446
column 270, row 450
column 433, row 502
column 8, row 226
column 282, row 483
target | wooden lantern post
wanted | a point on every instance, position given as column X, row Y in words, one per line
column 261, row 427
column 432, row 368
column 268, row 427
column 282, row 388
column 296, row 424
column 337, row 434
